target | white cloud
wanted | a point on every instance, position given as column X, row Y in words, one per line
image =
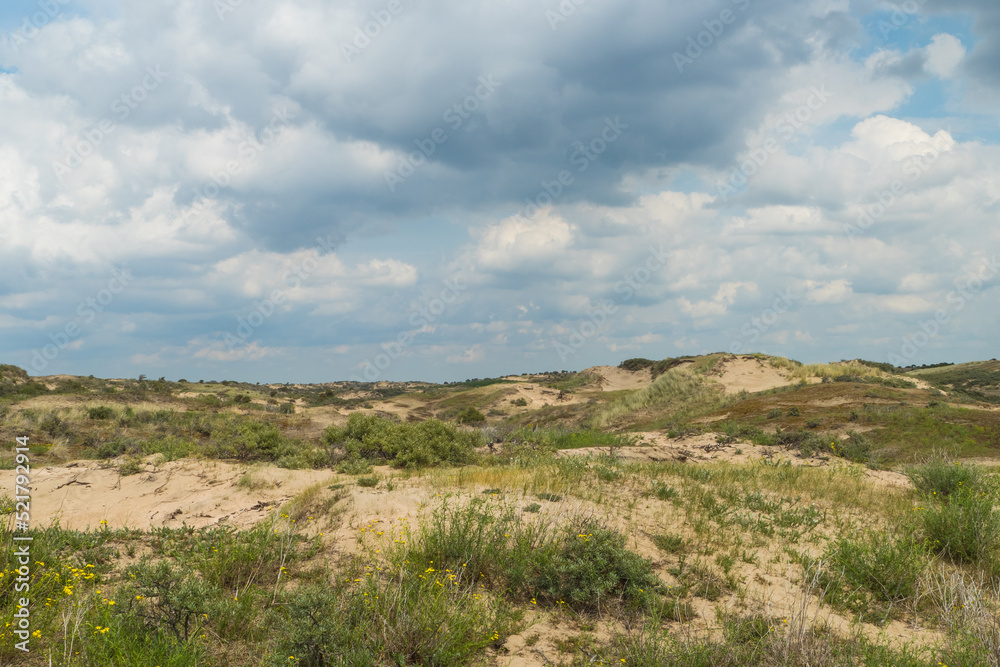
column 944, row 54
column 516, row 241
column 719, row 304
column 834, row 291
column 469, row 356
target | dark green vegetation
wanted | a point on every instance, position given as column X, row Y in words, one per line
column 379, row 440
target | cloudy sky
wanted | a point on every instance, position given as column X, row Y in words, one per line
column 306, row 190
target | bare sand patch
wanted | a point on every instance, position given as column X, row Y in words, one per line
column 750, row 374
column 612, row 378
column 82, row 494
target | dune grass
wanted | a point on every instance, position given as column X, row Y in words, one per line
column 677, row 395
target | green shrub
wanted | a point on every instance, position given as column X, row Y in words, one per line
column 116, row 447
column 252, row 441
column 636, row 364
column 886, row 567
column 319, row 627
column 585, row 566
column 774, row 413
column 520, row 402
column 369, row 482
column 354, row 467
column 751, row 629
column 793, row 411
column 165, row 597
column 591, row 568
column 942, row 478
column 231, row 560
column 131, row 466
column 413, row 620
column 470, row 416
column 286, row 409
column 856, row 448
column 101, row 412
column 427, row 443
column 965, row 527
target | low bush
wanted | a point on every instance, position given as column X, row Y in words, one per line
column 470, row 416
column 941, row 478
column 368, row 482
column 589, row 567
column 886, row 567
column 251, row 441
column 806, row 442
column 101, row 412
column 964, row 527
column 415, row 619
column 585, row 565
column 166, row 597
column 636, row 364
column 427, row 443
column 856, row 448
column 354, row 467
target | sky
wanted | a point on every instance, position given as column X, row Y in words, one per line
column 310, row 191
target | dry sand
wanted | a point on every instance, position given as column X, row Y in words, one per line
column 748, row 374
column 616, row 379
column 200, row 493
